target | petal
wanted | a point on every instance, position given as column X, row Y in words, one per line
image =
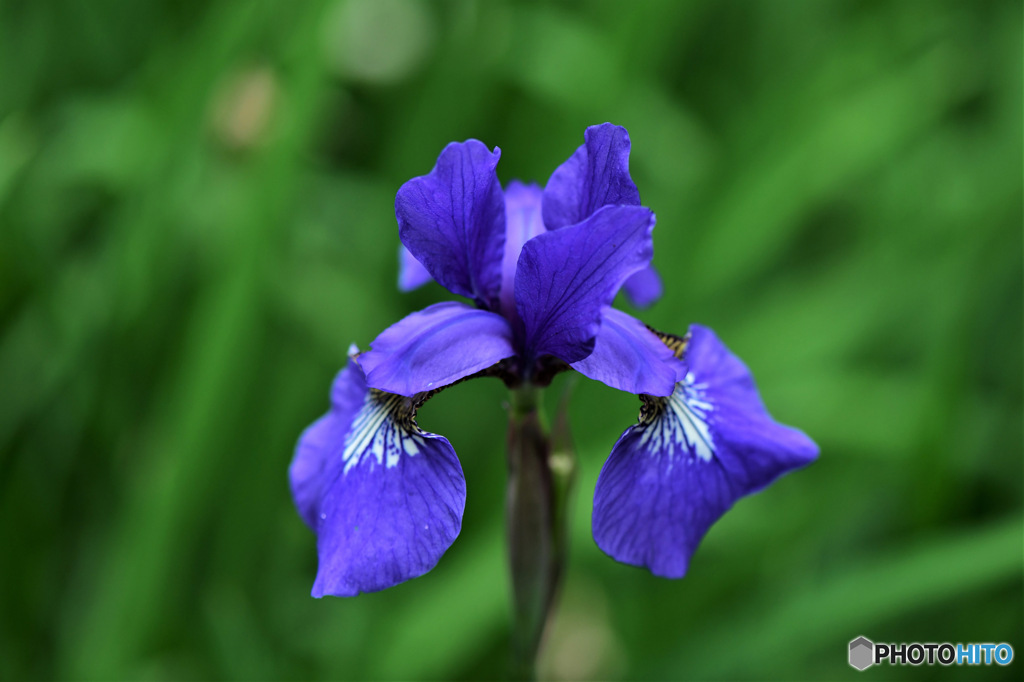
column 322, row 439
column 522, row 223
column 687, row 461
column 452, row 220
column 596, row 175
column 391, row 495
column 566, row 277
column 630, row 357
column 643, row 288
column 411, row 273
column 435, row 347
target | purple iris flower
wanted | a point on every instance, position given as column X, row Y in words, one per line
column 541, row 267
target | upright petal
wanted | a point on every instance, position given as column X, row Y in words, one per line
column 452, row 220
column 566, row 277
column 643, row 288
column 596, row 175
column 630, row 357
column 435, row 347
column 411, row 273
column 384, row 497
column 522, row 223
column 690, row 457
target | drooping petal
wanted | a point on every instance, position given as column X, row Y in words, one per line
column 411, row 273
column 596, row 175
column 323, row 438
column 435, row 347
column 452, row 220
column 691, row 456
column 390, row 496
column 630, row 357
column 567, row 276
column 644, row 287
column 522, row 223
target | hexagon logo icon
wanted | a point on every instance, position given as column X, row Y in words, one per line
column 862, row 653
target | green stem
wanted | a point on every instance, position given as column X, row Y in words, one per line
column 538, row 486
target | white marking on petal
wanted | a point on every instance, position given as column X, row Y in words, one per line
column 382, row 430
column 680, row 420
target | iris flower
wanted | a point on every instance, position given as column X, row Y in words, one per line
column 540, row 268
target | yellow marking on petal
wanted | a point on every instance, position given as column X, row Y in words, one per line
column 677, row 344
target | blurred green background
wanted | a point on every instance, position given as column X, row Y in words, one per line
column 196, row 219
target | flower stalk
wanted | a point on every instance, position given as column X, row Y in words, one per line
column 540, row 476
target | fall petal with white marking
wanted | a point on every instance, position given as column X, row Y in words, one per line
column 690, row 457
column 385, row 497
